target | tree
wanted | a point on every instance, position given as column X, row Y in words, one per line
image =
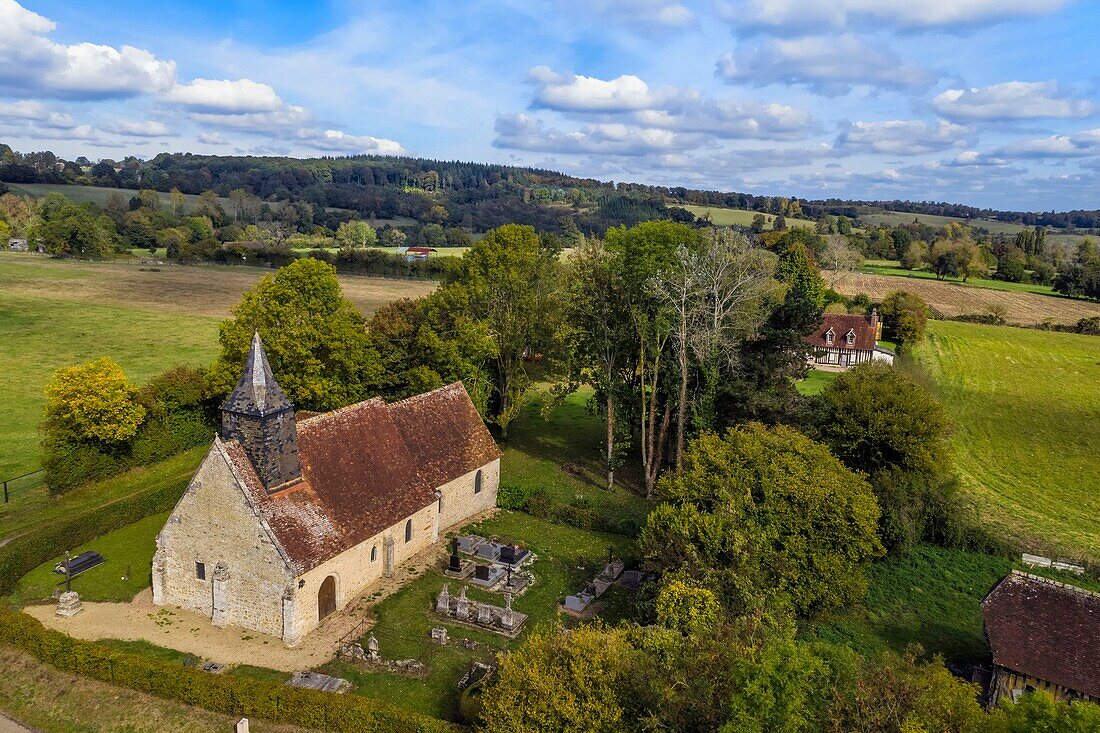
column 569, row 683
column 764, row 514
column 839, row 259
column 314, row 337
column 432, row 235
column 512, row 284
column 915, row 256
column 759, row 221
column 75, row 231
column 879, row 421
column 92, row 402
column 688, row 608
column 149, row 198
column 780, row 223
column 392, row 237
column 904, row 316
column 352, row 234
column 177, row 199
column 601, row 335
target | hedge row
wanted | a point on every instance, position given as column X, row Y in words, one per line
column 579, row 513
column 235, row 696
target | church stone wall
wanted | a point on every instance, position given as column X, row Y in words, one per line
column 215, row 524
column 355, row 571
column 459, row 500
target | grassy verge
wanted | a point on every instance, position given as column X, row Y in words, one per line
column 129, row 555
column 1026, row 410
column 568, row 558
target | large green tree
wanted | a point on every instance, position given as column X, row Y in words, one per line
column 315, row 339
column 765, row 513
column 92, row 402
column 512, row 283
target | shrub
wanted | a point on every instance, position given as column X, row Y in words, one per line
column 513, row 496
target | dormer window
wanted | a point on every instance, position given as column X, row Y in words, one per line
column 829, row 337
column 850, row 338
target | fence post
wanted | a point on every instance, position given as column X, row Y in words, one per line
column 5, row 492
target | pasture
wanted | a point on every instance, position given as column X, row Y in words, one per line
column 893, row 268
column 896, row 218
column 739, row 217
column 58, row 313
column 948, row 298
column 1026, row 411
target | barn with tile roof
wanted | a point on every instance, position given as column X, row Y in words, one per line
column 288, row 520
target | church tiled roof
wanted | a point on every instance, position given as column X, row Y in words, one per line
column 1045, row 629
column 366, row 467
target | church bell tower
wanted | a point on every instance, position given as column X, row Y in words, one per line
column 261, row 418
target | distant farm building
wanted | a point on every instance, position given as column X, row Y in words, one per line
column 843, row 341
column 290, row 517
column 416, row 253
column 1044, row 635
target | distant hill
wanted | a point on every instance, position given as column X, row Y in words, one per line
column 480, row 196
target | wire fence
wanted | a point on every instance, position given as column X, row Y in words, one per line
column 24, row 483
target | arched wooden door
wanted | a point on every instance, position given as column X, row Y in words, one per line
column 326, row 598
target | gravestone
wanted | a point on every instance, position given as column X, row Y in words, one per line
column 242, row 726
column 439, row 635
column 508, row 618
column 483, row 616
column 372, row 648
column 455, row 565
column 69, row 604
column 462, row 606
column 443, row 603
column 508, row 554
column 481, row 572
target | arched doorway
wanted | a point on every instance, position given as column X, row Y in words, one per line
column 326, row 597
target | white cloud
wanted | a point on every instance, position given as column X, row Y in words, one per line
column 31, row 61
column 571, row 92
column 823, row 64
column 1078, row 145
column 1013, row 100
column 336, row 141
column 145, row 128
column 629, row 100
column 291, row 116
column 225, row 96
column 35, row 112
column 804, row 16
column 643, row 14
column 900, row 137
column 212, row 138
column 524, row 132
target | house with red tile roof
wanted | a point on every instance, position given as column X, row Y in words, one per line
column 844, row 340
column 1043, row 635
column 288, row 520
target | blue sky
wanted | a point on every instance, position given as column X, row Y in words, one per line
column 988, row 102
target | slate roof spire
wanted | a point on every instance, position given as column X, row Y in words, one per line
column 260, row 417
column 257, row 392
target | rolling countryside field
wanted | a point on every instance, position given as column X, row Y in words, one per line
column 740, row 217
column 950, row 298
column 58, row 313
column 1026, row 409
column 895, row 218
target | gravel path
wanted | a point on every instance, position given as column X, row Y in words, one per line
column 7, row 725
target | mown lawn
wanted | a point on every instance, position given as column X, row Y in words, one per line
column 1026, row 409
column 129, row 556
column 568, row 558
column 562, row 455
column 931, row 597
column 816, row 380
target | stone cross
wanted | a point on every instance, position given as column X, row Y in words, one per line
column 68, row 572
column 462, row 607
column 372, row 646
column 508, row 618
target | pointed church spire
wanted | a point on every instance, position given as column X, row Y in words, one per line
column 257, row 392
column 259, row 416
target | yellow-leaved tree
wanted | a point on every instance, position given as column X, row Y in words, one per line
column 93, row 402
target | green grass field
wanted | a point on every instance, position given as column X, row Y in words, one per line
column 815, row 381
column 930, row 597
column 883, row 268
column 740, row 217
column 129, row 555
column 896, row 218
column 1026, row 408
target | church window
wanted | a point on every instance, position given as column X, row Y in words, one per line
column 200, row 570
column 409, row 530
column 374, row 554
column 439, row 502
column 477, row 482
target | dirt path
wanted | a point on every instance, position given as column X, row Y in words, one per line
column 191, row 632
column 7, row 725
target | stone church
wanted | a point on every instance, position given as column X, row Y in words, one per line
column 288, row 520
